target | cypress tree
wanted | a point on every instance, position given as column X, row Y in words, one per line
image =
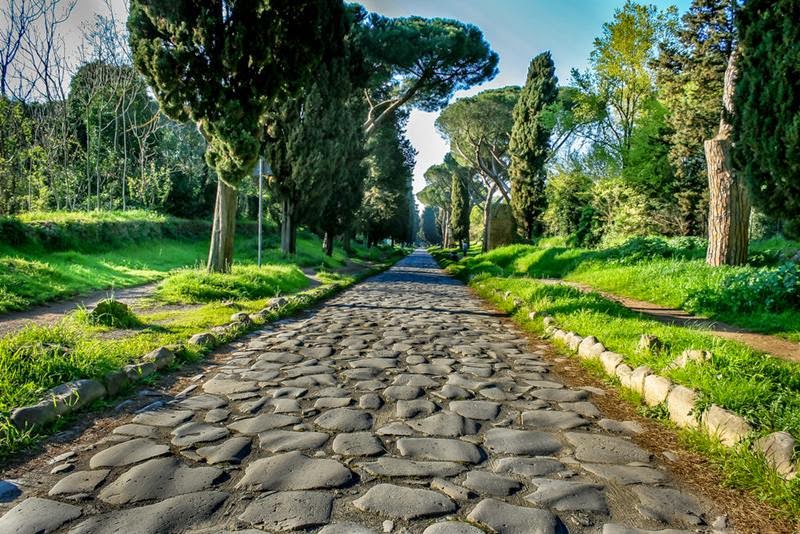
column 530, row 144
column 767, row 106
column 221, row 64
column 459, row 205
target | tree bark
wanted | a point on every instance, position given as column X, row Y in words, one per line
column 487, row 218
column 729, row 200
column 286, row 226
column 346, row 245
column 327, row 244
column 220, row 254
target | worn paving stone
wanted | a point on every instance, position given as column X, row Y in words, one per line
column 128, row 452
column 357, row 444
column 261, row 423
column 401, row 467
column 527, row 467
column 440, row 449
column 287, row 440
column 164, row 417
column 232, row 450
column 345, row 420
column 627, row 474
column 37, row 516
column 158, row 479
column 289, row 510
column 294, row 471
column 172, row 515
column 346, row 528
column 472, row 409
column 599, row 448
column 445, row 424
column 203, row 401
column 139, row 431
column 669, row 505
column 452, row 527
column 510, row 519
column 527, row 442
column 402, row 502
column 565, row 495
column 189, row 434
column 79, row 482
column 547, row 420
column 490, row 484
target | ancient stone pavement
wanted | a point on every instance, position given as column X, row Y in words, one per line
column 402, row 405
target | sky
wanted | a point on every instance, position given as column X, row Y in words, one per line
column 517, row 30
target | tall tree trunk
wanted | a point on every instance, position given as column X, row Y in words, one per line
column 293, row 236
column 327, row 244
column 346, row 244
column 220, row 255
column 729, row 201
column 286, row 226
column 487, row 218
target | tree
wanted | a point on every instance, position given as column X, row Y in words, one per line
column 529, row 146
column 767, row 103
column 460, row 205
column 430, row 231
column 221, row 64
column 690, row 74
column 729, row 204
column 421, row 62
column 622, row 79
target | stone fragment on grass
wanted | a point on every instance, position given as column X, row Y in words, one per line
column 586, row 348
column 64, row 398
column 573, row 341
column 162, row 357
column 649, row 343
column 689, row 355
column 778, row 449
column 241, row 317
column 624, row 372
column 203, row 339
column 681, row 404
column 656, row 389
column 725, row 425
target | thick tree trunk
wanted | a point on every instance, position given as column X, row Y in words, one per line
column 293, row 237
column 220, row 254
column 286, row 226
column 327, row 244
column 729, row 201
column 487, row 218
column 346, row 244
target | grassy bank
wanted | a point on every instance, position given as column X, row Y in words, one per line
column 765, row 390
column 38, row 358
column 147, row 248
column 763, row 296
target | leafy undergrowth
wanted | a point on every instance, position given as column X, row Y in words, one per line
column 38, row 358
column 108, row 312
column 763, row 296
column 244, row 282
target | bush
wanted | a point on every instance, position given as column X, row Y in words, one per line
column 637, row 249
column 773, row 289
column 113, row 313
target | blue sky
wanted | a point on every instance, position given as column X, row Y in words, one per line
column 517, row 30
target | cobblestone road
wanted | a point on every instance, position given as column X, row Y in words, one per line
column 402, row 405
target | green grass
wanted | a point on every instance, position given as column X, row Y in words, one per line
column 642, row 272
column 245, row 282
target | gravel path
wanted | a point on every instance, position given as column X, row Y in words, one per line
column 402, row 405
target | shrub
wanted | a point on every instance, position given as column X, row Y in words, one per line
column 113, row 313
column 637, row 249
column 765, row 289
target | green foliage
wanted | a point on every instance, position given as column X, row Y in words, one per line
column 459, row 203
column 529, row 145
column 421, row 62
column 244, row 282
column 767, row 289
column 567, row 193
column 620, row 209
column 690, row 72
column 111, row 312
column 430, row 231
column 767, row 105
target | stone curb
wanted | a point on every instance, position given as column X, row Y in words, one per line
column 681, row 402
column 71, row 396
